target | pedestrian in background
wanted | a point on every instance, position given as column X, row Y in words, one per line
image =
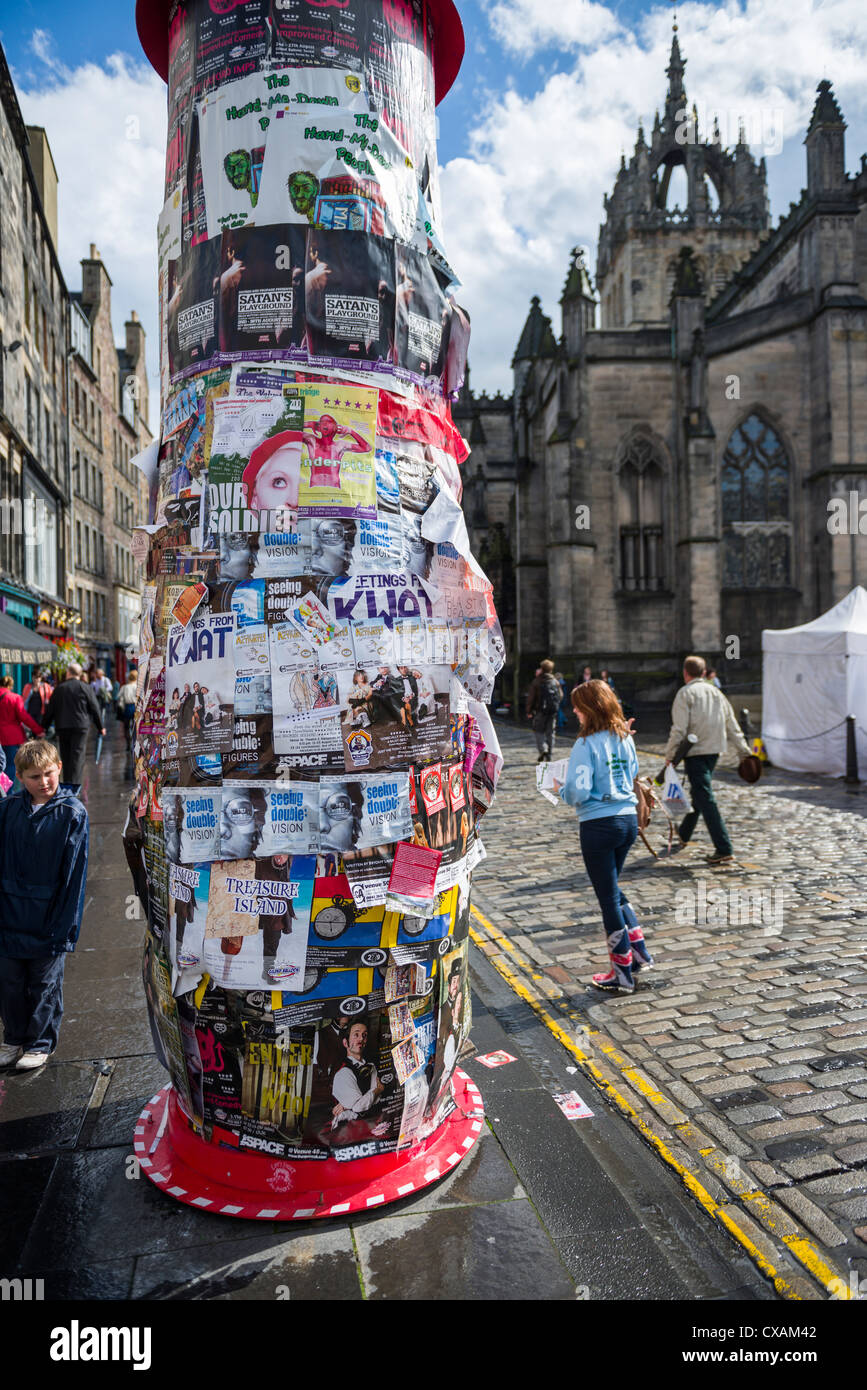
column 13, row 716
column 564, row 706
column 700, row 708
column 101, row 687
column 543, row 700
column 43, row 867
column 71, row 709
column 126, row 707
column 602, row 767
column 586, row 675
column 605, row 676
column 36, row 697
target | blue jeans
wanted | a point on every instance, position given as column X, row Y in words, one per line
column 31, row 1001
column 605, row 843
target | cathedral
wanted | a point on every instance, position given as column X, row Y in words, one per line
column 659, row 480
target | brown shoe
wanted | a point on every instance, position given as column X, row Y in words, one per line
column 720, row 859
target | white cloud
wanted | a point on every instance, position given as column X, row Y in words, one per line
column 107, row 129
column 538, row 164
column 526, row 25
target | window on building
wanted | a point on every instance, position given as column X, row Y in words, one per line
column 78, row 543
column 26, row 295
column 40, row 561
column 640, row 504
column 756, row 509
column 29, row 393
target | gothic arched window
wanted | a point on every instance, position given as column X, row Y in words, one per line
column 640, row 481
column 757, row 530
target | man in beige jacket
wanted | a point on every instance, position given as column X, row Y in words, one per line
column 701, row 710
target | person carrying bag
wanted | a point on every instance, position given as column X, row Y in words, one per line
column 600, row 785
column 702, row 717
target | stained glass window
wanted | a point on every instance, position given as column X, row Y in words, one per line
column 755, row 508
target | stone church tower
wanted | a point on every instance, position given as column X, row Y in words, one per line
column 659, row 481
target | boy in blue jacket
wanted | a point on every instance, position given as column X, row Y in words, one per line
column 43, row 867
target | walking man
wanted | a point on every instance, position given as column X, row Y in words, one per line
column 543, row 701
column 701, row 709
column 71, row 708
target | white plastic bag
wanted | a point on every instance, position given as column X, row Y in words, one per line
column 674, row 798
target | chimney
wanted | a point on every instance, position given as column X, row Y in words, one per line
column 45, row 174
column 135, row 339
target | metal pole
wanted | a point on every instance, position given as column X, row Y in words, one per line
column 851, row 778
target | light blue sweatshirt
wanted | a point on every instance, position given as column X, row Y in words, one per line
column 599, row 777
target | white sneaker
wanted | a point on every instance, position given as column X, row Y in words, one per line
column 29, row 1061
column 9, row 1053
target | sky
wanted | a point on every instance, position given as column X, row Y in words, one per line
column 530, row 136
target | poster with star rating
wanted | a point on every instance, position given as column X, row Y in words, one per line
column 338, row 474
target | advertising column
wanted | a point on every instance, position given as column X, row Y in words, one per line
column 314, row 753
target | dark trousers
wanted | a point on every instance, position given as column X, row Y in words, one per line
column 73, row 743
column 605, row 844
column 699, row 770
column 31, row 1001
column 543, row 728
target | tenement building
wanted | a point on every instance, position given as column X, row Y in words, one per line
column 109, row 426
column 660, row 479
column 34, row 479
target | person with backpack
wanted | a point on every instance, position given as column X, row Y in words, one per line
column 36, row 696
column 71, row 709
column 543, row 701
column 599, row 782
column 126, row 708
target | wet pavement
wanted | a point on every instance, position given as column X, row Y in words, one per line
column 744, row 1053
column 543, row 1208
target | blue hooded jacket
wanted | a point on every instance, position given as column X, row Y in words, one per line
column 43, row 867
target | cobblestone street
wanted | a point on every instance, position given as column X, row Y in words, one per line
column 743, row 1055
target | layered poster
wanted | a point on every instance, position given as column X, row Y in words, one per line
column 258, row 916
column 201, row 668
column 395, row 714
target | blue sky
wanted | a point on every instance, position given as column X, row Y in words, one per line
column 530, row 136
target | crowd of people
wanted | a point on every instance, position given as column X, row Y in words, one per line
column 44, row 837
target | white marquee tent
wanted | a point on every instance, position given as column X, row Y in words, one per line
column 813, row 677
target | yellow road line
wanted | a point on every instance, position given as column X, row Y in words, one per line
column 799, row 1245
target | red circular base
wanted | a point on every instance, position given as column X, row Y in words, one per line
column 234, row 1183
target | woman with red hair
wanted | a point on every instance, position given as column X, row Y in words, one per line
column 602, row 767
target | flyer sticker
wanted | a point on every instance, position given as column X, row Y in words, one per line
column 573, row 1106
column 407, row 1059
column 496, row 1059
column 431, row 780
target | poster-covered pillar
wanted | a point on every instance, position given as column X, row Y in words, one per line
column 314, row 753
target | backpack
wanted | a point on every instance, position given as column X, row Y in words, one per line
column 35, row 705
column 550, row 697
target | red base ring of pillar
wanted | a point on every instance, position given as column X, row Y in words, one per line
column 230, row 1182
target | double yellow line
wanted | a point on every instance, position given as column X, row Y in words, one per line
column 796, row 1240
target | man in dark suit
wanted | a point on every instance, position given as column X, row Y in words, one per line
column 409, row 695
column 387, row 694
column 71, row 708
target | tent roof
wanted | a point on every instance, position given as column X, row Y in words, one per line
column 842, row 629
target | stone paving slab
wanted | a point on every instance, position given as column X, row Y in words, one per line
column 760, row 977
